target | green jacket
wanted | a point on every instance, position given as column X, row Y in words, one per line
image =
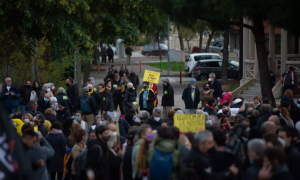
column 166, row 146
column 43, row 129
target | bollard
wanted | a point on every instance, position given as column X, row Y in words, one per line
column 98, row 67
column 180, row 77
column 140, row 66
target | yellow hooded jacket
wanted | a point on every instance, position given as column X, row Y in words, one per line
column 19, row 125
column 149, row 89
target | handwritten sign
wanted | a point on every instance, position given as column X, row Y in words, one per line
column 151, row 76
column 112, row 115
column 189, row 122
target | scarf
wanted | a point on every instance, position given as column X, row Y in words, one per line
column 206, row 92
column 210, row 106
column 108, row 88
column 55, row 131
column 256, row 105
column 90, row 93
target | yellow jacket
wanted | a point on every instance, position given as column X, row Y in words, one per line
column 19, row 125
column 149, row 89
column 48, row 125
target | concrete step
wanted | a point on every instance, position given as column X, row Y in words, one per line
column 254, row 88
column 247, row 96
column 251, row 92
column 257, row 84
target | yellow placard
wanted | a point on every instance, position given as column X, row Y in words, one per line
column 189, row 122
column 151, row 76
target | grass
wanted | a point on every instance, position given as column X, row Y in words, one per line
column 174, row 66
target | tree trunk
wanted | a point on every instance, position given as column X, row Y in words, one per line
column 180, row 39
column 241, row 54
column 96, row 55
column 211, row 35
column 262, row 55
column 86, row 73
column 224, row 68
column 79, row 75
column 201, row 40
column 37, row 71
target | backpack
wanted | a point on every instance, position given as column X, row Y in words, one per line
column 161, row 165
column 80, row 161
column 85, row 104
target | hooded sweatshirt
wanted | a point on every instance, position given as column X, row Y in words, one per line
column 19, row 125
column 226, row 97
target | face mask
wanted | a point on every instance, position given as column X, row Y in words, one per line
column 77, row 118
column 36, row 86
column 134, row 117
column 298, row 105
column 193, row 87
column 150, row 136
column 145, row 87
column 280, row 114
column 46, row 99
column 48, row 90
column 53, row 88
column 156, row 119
column 67, row 84
column 206, row 89
column 93, row 82
column 106, row 138
column 122, row 82
column 209, row 79
column 109, row 85
column 102, row 123
column 209, row 122
column 26, row 120
column 14, row 124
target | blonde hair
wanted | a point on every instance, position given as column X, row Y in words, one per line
column 29, row 116
column 183, row 140
column 285, row 113
column 75, row 127
column 225, row 88
column 48, row 111
column 222, row 121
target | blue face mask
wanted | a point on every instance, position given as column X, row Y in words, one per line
column 280, row 114
column 298, row 105
column 77, row 118
column 102, row 123
column 53, row 88
column 145, row 87
column 36, row 86
column 134, row 117
column 46, row 99
column 93, row 82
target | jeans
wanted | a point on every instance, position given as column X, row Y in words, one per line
column 59, row 175
column 22, row 107
column 11, row 110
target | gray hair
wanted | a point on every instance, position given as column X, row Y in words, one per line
column 53, row 99
column 265, row 108
column 7, row 78
column 91, row 78
column 45, row 86
column 156, row 110
column 41, row 117
column 288, row 91
column 145, row 115
column 129, row 84
column 256, row 113
column 51, row 84
column 31, row 103
column 250, row 111
column 257, row 146
column 214, row 119
column 61, row 90
column 166, row 80
column 199, row 111
column 202, row 136
column 213, row 75
column 179, row 112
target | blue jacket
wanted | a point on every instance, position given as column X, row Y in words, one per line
column 63, row 97
column 10, row 101
column 216, row 86
column 239, row 105
column 187, row 98
column 289, row 100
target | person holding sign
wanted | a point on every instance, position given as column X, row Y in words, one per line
column 117, row 93
column 191, row 97
column 147, row 99
column 167, row 97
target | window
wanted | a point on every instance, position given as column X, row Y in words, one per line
column 156, row 47
column 212, row 64
column 146, row 47
column 230, row 66
column 216, row 57
column 220, row 63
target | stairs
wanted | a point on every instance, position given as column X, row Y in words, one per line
column 251, row 92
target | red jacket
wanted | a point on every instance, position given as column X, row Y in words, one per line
column 154, row 88
column 226, row 97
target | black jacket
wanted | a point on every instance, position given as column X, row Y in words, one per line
column 288, row 80
column 50, row 117
column 252, row 120
column 42, row 106
column 168, row 97
column 152, row 123
column 28, row 110
column 285, row 98
column 114, row 163
column 107, row 103
column 134, row 79
column 97, row 99
column 283, row 173
column 129, row 97
column 25, row 94
column 122, row 71
column 63, row 97
column 187, row 98
column 130, row 121
column 109, row 76
column 216, row 86
column 251, row 173
column 209, row 110
column 150, row 102
column 263, row 118
column 123, row 127
column 73, row 94
column 62, row 115
column 127, row 165
column 110, row 52
column 91, row 102
column 293, row 160
column 117, row 94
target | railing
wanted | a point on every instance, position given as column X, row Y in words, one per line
column 249, row 69
column 293, row 60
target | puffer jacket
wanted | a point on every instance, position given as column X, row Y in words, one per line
column 129, row 97
column 19, row 125
column 226, row 97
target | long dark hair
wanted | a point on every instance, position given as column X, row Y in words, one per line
column 36, row 88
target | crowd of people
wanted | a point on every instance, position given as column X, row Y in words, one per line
column 75, row 137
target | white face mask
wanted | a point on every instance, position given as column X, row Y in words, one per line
column 157, row 118
column 209, row 79
column 26, row 120
column 48, row 90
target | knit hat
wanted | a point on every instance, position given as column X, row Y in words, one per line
column 63, row 103
column 192, row 81
column 166, row 80
column 85, row 89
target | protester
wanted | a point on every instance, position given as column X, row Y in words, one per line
column 80, row 145
column 210, row 107
column 36, row 87
column 53, row 105
column 91, row 81
column 49, row 115
column 27, row 118
column 67, row 126
column 257, row 103
column 107, row 103
column 57, row 140
column 62, row 112
column 224, row 124
column 25, row 92
column 44, row 104
column 215, row 85
column 110, row 75
column 284, row 113
column 45, row 90
column 129, row 97
column 127, row 164
column 97, row 98
column 269, row 127
column 147, row 100
column 133, row 78
column 18, row 122
column 265, row 114
column 128, row 52
column 123, row 71
column 72, row 93
column 167, row 97
column 61, row 96
column 206, row 94
column 130, row 116
column 191, row 97
column 10, row 96
column 289, row 79
column 78, row 120
column 155, row 120
column 103, row 54
column 117, row 93
column 31, row 108
column 288, row 97
column 226, row 95
column 242, row 105
column 276, row 121
column 272, row 79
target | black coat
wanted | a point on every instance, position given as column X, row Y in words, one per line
column 117, row 94
column 252, row 120
column 107, row 103
column 50, row 117
column 123, row 127
column 129, row 97
column 150, row 102
column 251, row 172
column 93, row 107
column 62, row 115
column 134, row 79
column 127, row 165
column 209, row 110
column 295, row 114
column 97, row 99
column 293, row 160
column 122, row 71
column 63, row 97
column 42, row 106
column 110, row 76
column 73, row 94
column 114, row 163
column 110, row 52
column 216, row 86
column 285, row 98
column 152, row 123
column 263, row 118
column 25, row 94
column 58, row 143
column 130, row 121
column 168, row 97
column 187, row 98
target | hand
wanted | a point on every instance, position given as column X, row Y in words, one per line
column 265, row 173
column 218, row 99
column 6, row 94
column 12, row 93
column 119, row 153
column 234, row 170
column 146, row 98
column 40, row 163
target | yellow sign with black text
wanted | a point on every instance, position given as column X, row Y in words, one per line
column 151, row 76
column 189, row 122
